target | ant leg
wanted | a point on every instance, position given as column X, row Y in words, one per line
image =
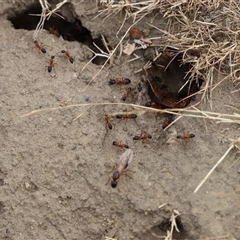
column 128, row 170
column 114, row 88
column 108, row 181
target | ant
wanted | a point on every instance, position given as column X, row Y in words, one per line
column 168, row 54
column 125, row 159
column 39, row 46
column 153, row 105
column 126, row 116
column 67, row 55
column 54, row 32
column 142, row 137
column 172, row 103
column 51, row 64
column 119, row 81
column 108, row 123
column 139, row 98
column 126, row 94
column 182, row 103
column 139, row 87
column 185, row 137
column 120, row 145
column 167, row 122
column 135, row 34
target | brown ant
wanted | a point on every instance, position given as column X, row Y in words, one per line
column 168, row 54
column 135, row 34
column 139, row 87
column 51, row 65
column 120, row 145
column 126, row 94
column 125, row 159
column 142, row 137
column 67, row 55
column 139, row 97
column 54, row 32
column 108, row 123
column 167, row 122
column 153, row 105
column 126, row 116
column 119, row 81
column 185, row 137
column 39, row 46
column 172, row 103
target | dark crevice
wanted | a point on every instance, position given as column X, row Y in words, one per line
column 171, row 84
column 69, row 30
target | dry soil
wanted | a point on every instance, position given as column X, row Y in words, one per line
column 54, row 164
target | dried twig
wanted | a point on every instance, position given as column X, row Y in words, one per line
column 46, row 14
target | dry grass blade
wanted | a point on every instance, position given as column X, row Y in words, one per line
column 175, row 214
column 162, row 205
column 219, row 117
column 235, row 144
column 46, row 14
column 101, row 54
column 208, row 26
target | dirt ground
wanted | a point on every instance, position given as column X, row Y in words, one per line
column 55, row 164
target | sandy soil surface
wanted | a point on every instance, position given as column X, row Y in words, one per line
column 54, row 164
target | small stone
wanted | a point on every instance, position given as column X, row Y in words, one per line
column 27, row 185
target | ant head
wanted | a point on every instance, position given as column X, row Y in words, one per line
column 113, row 184
column 127, row 80
column 139, row 87
column 148, row 104
column 149, row 136
column 133, row 116
column 191, row 135
column 35, row 41
column 114, row 142
column 136, row 138
column 119, row 116
column 52, row 57
column 63, row 51
column 112, row 82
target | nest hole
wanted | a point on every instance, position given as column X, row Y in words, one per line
column 171, row 83
column 165, row 225
column 64, row 23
